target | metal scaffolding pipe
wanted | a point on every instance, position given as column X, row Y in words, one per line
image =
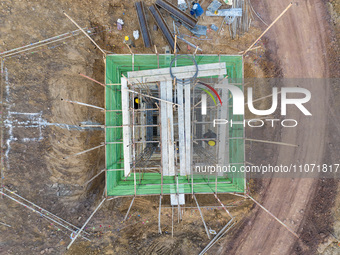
column 159, row 215
column 92, row 80
column 278, row 143
column 43, row 215
column 80, row 103
column 134, row 142
column 205, row 226
column 85, row 33
column 68, row 247
column 94, row 177
column 136, row 110
column 92, row 126
column 82, row 152
column 128, row 211
column 265, row 31
column 223, row 206
column 217, row 237
column 42, row 209
column 291, row 231
column 5, row 224
column 156, row 98
column 172, row 222
column 131, row 126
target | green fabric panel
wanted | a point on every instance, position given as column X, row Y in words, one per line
column 150, row 183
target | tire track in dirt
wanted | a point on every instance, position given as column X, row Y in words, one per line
column 300, row 37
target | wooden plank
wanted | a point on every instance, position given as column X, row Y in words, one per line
column 187, row 128
column 181, row 135
column 142, row 130
column 164, row 130
column 170, row 123
column 126, row 127
column 183, row 72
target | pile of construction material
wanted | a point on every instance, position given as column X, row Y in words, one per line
column 232, row 16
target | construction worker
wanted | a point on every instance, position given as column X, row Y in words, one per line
column 210, row 137
column 128, row 41
column 136, row 103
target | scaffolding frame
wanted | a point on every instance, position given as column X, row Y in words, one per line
column 152, row 180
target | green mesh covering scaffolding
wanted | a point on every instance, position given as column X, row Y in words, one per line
column 151, row 183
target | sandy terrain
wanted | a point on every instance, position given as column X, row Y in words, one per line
column 300, row 42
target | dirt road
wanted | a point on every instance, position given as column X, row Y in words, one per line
column 300, row 40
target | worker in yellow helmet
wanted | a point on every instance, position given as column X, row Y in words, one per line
column 212, row 143
column 129, row 42
column 211, row 138
column 136, row 102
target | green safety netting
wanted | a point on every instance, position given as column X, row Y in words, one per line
column 150, row 183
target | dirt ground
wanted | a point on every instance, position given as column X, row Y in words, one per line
column 35, row 81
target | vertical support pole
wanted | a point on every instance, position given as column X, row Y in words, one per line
column 105, row 148
column 164, row 133
column 205, row 226
column 190, row 129
column 223, row 133
column 133, row 62
column 204, row 104
column 172, row 221
column 126, row 126
column 157, row 56
column 178, row 210
column 134, row 150
column 159, row 215
column 177, row 194
column 170, row 122
column 187, row 126
column 181, row 134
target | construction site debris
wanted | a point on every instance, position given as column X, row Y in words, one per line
column 182, row 5
column 196, row 10
column 229, row 19
column 235, row 12
column 189, row 43
column 135, row 34
column 172, row 9
column 198, row 30
column 214, row 6
column 143, row 25
column 120, row 24
column 214, row 27
column 163, row 26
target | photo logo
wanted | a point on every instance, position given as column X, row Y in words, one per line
column 301, row 95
